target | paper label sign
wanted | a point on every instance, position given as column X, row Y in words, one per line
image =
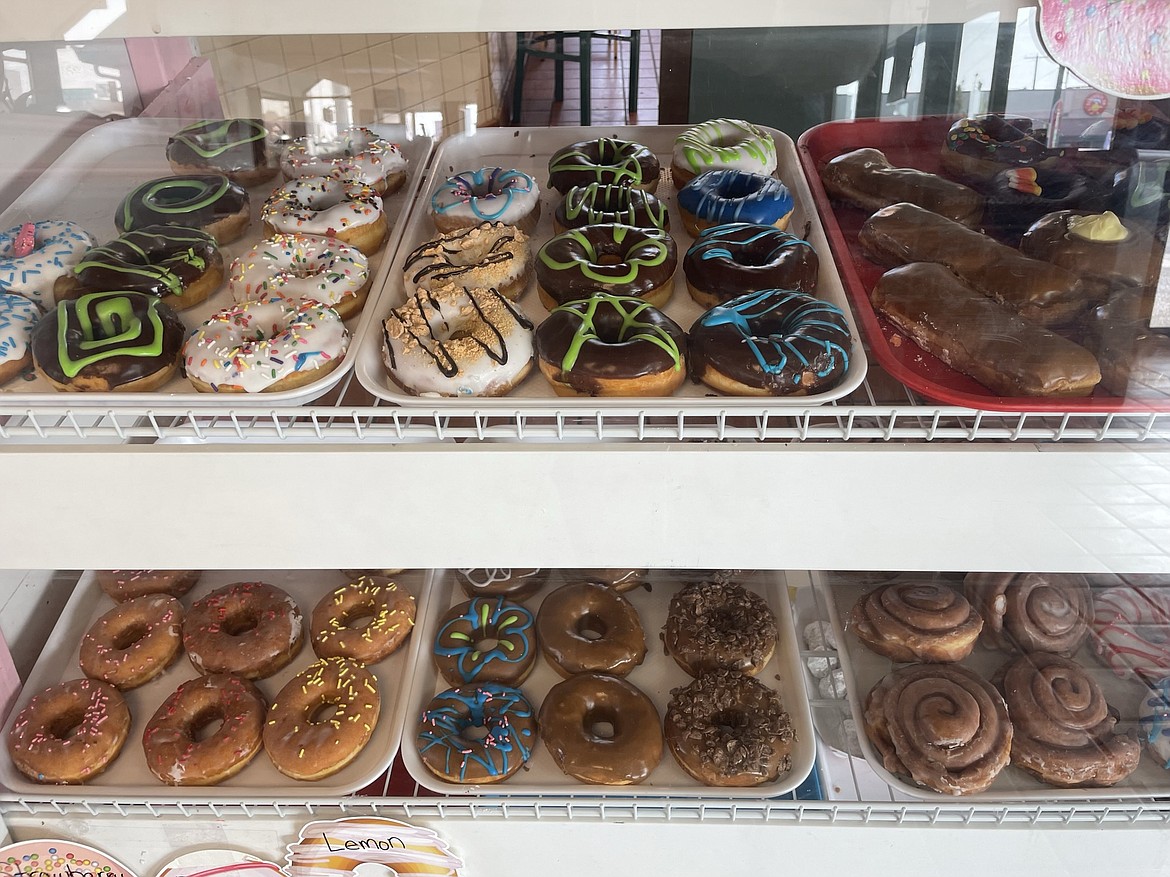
column 369, row 847
column 58, row 858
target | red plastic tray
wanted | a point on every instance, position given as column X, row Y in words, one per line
column 913, row 143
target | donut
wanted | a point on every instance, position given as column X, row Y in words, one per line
column 322, row 719
column 607, row 161
column 33, row 255
column 134, row 642
column 18, row 315
column 595, row 204
column 1154, row 720
column 722, row 144
column 457, row 342
column 601, row 729
column 719, row 197
column 183, row 266
column 1096, row 245
column 344, row 209
column 586, row 627
column 1063, row 731
column 303, row 266
column 355, row 154
column 490, row 194
column 941, row 725
column 464, row 631
column 490, row 255
column 916, row 621
column 979, row 147
column 515, row 584
column 126, row 584
column 719, row 624
column 108, row 341
column 1020, row 196
column 249, row 629
column 729, row 260
column 611, row 345
column 727, row 729
column 177, row 750
column 620, row 579
column 211, row 202
column 366, row 621
column 69, row 733
column 1128, row 631
column 618, row 259
column 773, row 342
column 265, row 346
column 453, row 755
column 1031, row 612
column 237, row 148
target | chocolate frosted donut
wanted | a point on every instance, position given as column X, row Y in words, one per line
column 486, row 639
column 617, row 259
column 719, row 624
column 916, row 621
column 514, row 583
column 978, row 147
column 1096, row 245
column 1063, row 728
column 586, row 626
column 237, row 148
column 596, row 204
column 728, row 260
column 1018, row 197
column 208, row 201
column 1032, row 612
column 605, row 161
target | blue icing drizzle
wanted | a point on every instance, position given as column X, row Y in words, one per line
column 1157, row 723
column 713, row 242
column 507, row 623
column 490, row 706
column 724, row 196
column 487, row 192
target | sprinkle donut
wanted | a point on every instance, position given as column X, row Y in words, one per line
column 465, row 628
column 718, row 197
column 1129, row 631
column 979, row 147
column 344, row 209
column 303, row 266
column 134, row 642
column 336, row 629
column 722, row 143
column 121, row 585
column 490, row 194
column 18, row 315
column 490, row 255
column 452, row 755
column 356, row 154
column 56, row 247
column 249, row 629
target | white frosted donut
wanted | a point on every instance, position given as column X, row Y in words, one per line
column 457, row 342
column 490, row 254
column 724, row 143
column 489, row 194
column 322, row 206
column 300, row 266
column 57, row 247
column 1129, row 631
column 274, row 344
column 1154, row 720
column 18, row 315
column 356, row 154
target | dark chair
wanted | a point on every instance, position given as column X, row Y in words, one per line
column 534, row 45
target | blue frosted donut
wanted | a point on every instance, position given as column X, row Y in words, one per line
column 452, row 755
column 716, row 197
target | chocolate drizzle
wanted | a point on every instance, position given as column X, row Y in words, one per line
column 438, row 258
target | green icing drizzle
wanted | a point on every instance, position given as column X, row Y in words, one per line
column 160, row 197
column 192, row 138
column 655, row 245
column 632, row 329
column 701, row 152
column 578, row 160
column 115, row 325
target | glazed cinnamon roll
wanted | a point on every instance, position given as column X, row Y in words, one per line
column 917, row 621
column 1064, row 729
column 941, row 725
column 1031, row 612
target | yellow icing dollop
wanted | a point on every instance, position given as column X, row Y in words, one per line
column 1101, row 227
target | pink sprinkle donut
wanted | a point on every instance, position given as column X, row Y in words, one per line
column 1131, row 631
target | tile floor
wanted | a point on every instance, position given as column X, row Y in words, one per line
column 608, row 82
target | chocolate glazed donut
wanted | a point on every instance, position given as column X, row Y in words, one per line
column 606, row 161
column 729, row 260
column 595, row 204
column 619, row 259
column 208, row 201
column 237, row 148
column 1031, row 612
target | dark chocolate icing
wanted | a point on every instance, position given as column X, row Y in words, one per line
column 1134, row 261
column 158, row 259
column 606, row 161
column 193, row 201
column 594, row 204
column 1006, row 140
column 227, row 145
column 619, row 259
column 1020, row 196
column 729, row 260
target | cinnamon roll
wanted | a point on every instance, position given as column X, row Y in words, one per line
column 1031, row 612
column 917, row 621
column 1064, row 729
column 941, row 725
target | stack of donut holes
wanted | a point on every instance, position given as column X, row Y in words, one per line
column 210, row 727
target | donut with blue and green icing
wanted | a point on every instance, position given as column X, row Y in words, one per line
column 486, row 639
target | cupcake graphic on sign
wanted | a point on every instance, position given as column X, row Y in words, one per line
column 369, row 847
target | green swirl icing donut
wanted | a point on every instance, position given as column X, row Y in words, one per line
column 612, row 258
column 208, row 201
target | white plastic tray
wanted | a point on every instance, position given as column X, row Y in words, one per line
column 656, row 676
column 129, row 777
column 86, row 185
column 529, row 149
column 864, row 668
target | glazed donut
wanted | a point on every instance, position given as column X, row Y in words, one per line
column 265, row 346
column 940, row 725
column 211, row 202
column 126, row 584
column 1154, row 720
column 463, row 631
column 303, row 266
column 490, row 255
column 1129, row 631
column 70, row 732
column 183, row 266
column 727, row 729
column 618, row 259
column 916, row 621
column 610, row 345
column 452, row 755
column 771, row 343
column 108, row 341
column 595, row 204
column 306, row 747
column 336, row 626
column 134, row 642
column 18, row 315
column 1063, row 731
column 35, row 254
column 356, row 154
column 601, row 729
column 728, row 260
column 585, row 627
column 621, row 580
column 178, row 753
column 719, row 624
column 249, row 629
column 1096, row 245
column 490, row 194
column 722, row 143
column 515, row 584
column 237, row 148
column 1031, row 612
column 342, row 209
column 719, row 197
column 457, row 342
column 607, row 161
column 979, row 147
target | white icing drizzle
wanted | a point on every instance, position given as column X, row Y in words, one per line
column 482, row 578
column 321, row 206
column 725, row 143
column 299, row 266
column 408, row 849
column 356, row 154
column 18, row 315
column 59, row 246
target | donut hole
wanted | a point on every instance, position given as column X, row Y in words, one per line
column 591, row 627
column 129, row 635
column 731, row 721
column 358, row 618
column 727, row 141
column 600, row 724
column 206, row 725
column 740, row 186
column 474, row 733
column 66, row 725
column 609, row 259
column 487, row 644
column 240, row 622
column 322, row 713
